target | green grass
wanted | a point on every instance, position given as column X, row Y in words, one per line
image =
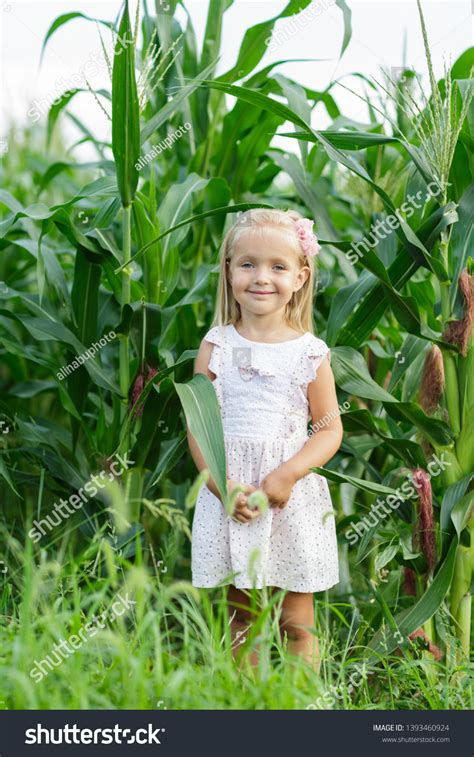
column 172, row 649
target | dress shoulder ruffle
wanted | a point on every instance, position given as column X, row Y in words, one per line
column 315, row 351
column 312, row 358
column 217, row 337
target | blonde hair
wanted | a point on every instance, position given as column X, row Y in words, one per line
column 299, row 310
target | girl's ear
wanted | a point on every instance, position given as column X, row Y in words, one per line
column 303, row 275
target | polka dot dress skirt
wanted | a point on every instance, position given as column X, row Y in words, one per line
column 262, row 393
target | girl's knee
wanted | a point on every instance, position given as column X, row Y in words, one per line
column 297, row 616
column 295, row 631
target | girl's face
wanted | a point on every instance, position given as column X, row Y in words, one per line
column 264, row 272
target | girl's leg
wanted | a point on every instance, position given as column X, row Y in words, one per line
column 297, row 617
column 240, row 622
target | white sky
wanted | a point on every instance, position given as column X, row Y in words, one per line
column 379, row 30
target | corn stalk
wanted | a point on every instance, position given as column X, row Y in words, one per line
column 126, row 150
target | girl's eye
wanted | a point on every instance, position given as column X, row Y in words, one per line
column 279, row 266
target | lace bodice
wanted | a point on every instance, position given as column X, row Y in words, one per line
column 262, row 388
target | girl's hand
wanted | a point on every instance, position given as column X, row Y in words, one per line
column 278, row 486
column 242, row 513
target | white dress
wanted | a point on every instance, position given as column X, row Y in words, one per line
column 261, row 389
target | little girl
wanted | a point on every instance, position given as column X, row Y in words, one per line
column 270, row 374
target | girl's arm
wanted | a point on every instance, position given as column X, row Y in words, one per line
column 323, row 444
column 319, row 448
column 201, row 366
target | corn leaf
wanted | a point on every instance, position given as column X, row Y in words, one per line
column 125, row 112
column 412, row 619
column 61, row 20
column 201, row 408
column 207, row 214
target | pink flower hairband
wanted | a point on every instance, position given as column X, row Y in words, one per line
column 308, row 240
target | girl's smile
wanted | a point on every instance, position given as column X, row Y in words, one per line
column 264, row 269
column 260, row 293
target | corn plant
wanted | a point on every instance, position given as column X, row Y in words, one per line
column 126, row 243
